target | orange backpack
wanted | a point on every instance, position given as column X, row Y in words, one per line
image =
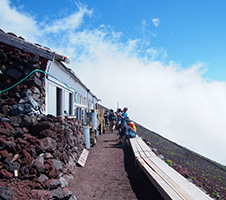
column 133, row 126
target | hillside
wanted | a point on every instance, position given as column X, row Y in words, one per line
column 205, row 173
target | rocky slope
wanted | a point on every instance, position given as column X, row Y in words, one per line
column 42, row 159
column 206, row 174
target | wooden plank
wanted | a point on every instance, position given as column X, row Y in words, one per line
column 174, row 178
column 83, row 157
column 183, row 185
column 145, row 154
column 160, row 173
column 139, row 149
column 162, row 186
column 134, row 147
column 167, row 192
column 145, row 147
column 169, row 181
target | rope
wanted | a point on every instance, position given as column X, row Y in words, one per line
column 37, row 70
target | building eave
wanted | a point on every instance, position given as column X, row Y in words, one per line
column 19, row 43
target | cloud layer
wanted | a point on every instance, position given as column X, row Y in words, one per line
column 163, row 96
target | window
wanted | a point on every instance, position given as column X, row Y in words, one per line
column 59, row 101
column 70, row 104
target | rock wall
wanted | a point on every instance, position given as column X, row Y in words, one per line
column 43, row 149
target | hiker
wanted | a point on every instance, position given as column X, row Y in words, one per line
column 119, row 119
column 93, row 123
column 106, row 122
column 126, row 132
column 123, row 115
column 112, row 119
column 131, row 124
column 93, row 120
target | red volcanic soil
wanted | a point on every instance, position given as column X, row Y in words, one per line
column 110, row 173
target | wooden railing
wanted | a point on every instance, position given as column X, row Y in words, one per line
column 170, row 184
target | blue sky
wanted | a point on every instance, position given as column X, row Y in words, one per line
column 188, row 31
column 163, row 59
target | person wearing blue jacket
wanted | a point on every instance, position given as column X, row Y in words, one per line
column 123, row 116
column 126, row 132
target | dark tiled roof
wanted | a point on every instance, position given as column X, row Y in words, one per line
column 19, row 42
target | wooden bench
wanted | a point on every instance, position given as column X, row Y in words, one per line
column 168, row 181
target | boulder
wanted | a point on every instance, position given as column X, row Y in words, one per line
column 31, row 139
column 58, row 193
column 68, row 177
column 37, row 128
column 26, row 93
column 33, row 63
column 24, row 172
column 36, row 93
column 39, row 164
column 15, row 120
column 6, row 193
column 57, row 164
column 48, row 155
column 21, row 109
column 34, row 80
column 18, row 132
column 50, row 170
column 14, row 73
column 53, row 184
column 63, row 182
column 11, row 166
column 42, row 179
column 5, row 110
column 73, row 197
column 27, row 121
column 29, row 100
column 42, row 194
column 68, row 193
column 48, row 144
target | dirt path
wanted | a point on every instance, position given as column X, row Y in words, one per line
column 110, row 174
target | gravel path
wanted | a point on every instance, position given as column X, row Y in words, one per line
column 110, row 174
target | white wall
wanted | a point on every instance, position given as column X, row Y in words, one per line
column 51, row 98
column 66, row 100
column 61, row 78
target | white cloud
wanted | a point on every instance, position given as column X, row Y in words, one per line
column 156, row 22
column 179, row 104
column 71, row 22
column 20, row 23
column 175, row 102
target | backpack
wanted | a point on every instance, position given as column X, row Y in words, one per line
column 112, row 117
column 133, row 126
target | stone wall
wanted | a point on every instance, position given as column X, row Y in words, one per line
column 43, row 149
